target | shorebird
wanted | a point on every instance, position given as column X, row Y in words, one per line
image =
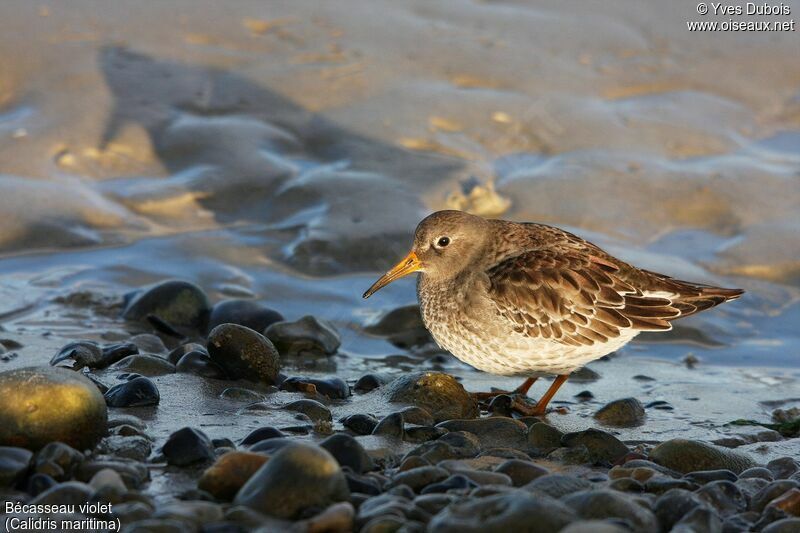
column 526, row 299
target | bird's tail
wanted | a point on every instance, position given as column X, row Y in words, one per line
column 696, row 298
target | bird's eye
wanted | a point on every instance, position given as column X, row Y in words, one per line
column 443, row 241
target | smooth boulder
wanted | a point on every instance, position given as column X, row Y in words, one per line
column 438, row 393
column 244, row 353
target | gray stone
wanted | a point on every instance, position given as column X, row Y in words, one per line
column 438, row 393
column 187, row 446
column 601, row 447
column 348, row 452
column 689, row 456
column 298, row 477
column 786, row 525
column 418, row 478
column 512, row 511
column 543, row 436
column 57, row 460
column 557, row 485
column 391, row 426
column 137, row 392
column 594, row 526
column 307, row 336
column 627, row 412
column 671, row 506
column 521, row 472
column 611, row 504
column 13, row 464
column 492, row 432
column 147, row 365
column 244, row 353
column 724, row 496
column 47, row 404
column 699, row 519
column 182, row 305
column 247, row 313
column 311, row 408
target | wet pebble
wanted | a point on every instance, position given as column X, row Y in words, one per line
column 144, row 364
column 186, row 446
column 785, row 525
column 308, row 336
column 13, row 465
column 67, row 493
column 369, row 382
column 595, row 526
column 57, row 460
column 512, row 511
column 418, row 478
column 46, row 404
column 687, row 456
column 81, row 354
column 492, row 432
column 671, row 506
column 348, row 452
column 229, row 473
column 133, row 473
column 176, row 353
column 360, row 424
column 602, row 447
column 423, row 433
column 759, row 472
column 602, row 503
column 137, row 392
column 134, row 447
column 521, row 472
column 298, row 477
column 262, row 433
column 783, row 467
column 311, row 408
column 403, row 327
column 627, row 412
column 438, row 393
column 238, row 394
column 243, row 353
column 774, row 490
column 334, row 388
column 454, row 482
column 543, row 436
column 181, row 304
column 557, row 485
column 200, row 364
column 391, row 426
column 701, row 477
column 247, row 313
column 724, row 496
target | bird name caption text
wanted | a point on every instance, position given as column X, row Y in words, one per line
column 61, row 517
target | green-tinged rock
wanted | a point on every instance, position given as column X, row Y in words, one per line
column 687, row 456
column 440, row 394
column 182, row 305
column 243, row 353
column 47, row 404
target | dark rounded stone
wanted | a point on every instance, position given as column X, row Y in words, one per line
column 604, row 503
column 786, row 525
column 391, row 426
column 57, row 460
column 270, row 446
column 46, row 404
column 700, row 518
column 187, row 446
column 690, row 456
column 181, row 304
column 724, row 496
column 80, row 354
column 403, row 327
column 137, row 392
column 455, row 481
column 308, row 336
column 13, row 465
column 521, row 472
column 418, row 478
column 601, row 447
column 146, row 365
column 263, row 433
column 245, row 313
column 626, row 484
column 557, row 485
column 627, row 412
column 175, row 355
column 200, row 364
column 438, row 393
column 701, row 477
column 39, row 483
column 596, row 526
column 149, row 343
column 543, row 436
column 300, row 476
column 417, row 415
column 423, row 433
column 511, row 511
column 243, row 353
column 671, row 506
column 774, row 490
column 311, row 408
column 334, row 388
column 783, row 467
column 68, row 493
column 360, row 424
column 369, row 382
column 757, row 472
column 492, row 432
column 229, row 473
column 501, row 405
column 348, row 452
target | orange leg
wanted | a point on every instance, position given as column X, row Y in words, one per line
column 522, row 390
column 541, row 405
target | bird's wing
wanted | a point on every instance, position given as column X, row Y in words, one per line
column 575, row 298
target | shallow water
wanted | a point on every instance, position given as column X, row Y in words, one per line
column 285, row 151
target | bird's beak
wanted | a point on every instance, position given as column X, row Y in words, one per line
column 409, row 264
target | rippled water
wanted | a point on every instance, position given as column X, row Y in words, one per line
column 286, row 152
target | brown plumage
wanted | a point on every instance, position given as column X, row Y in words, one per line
column 521, row 298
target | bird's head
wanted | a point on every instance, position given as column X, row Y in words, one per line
column 445, row 243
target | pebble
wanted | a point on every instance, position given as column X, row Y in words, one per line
column 724, row 496
column 690, row 456
column 181, row 304
column 67, row 493
column 348, row 452
column 243, row 353
column 492, row 432
column 334, row 388
column 783, row 467
column 403, row 327
column 262, row 433
column 786, row 525
column 391, row 426
column 134, row 447
column 247, row 313
column 186, row 446
column 595, row 526
column 438, row 393
column 418, row 478
column 200, row 364
column 698, row 519
column 147, row 342
column 360, row 424
column 774, row 490
column 521, row 472
column 238, row 394
column 107, row 477
column 191, row 513
column 146, row 365
column 13, row 465
column 133, row 473
column 229, row 473
column 671, row 506
column 454, row 482
column 308, row 336
column 311, row 408
column 369, row 382
column 603, row 503
column 46, row 404
column 175, row 355
column 511, row 511
column 557, row 485
column 417, row 415
column 543, row 436
column 757, row 472
column 137, row 392
column 627, row 412
column 57, row 460
column 701, row 477
column 81, row 353
column 602, row 447
column 298, row 477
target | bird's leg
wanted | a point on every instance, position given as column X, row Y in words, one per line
column 522, row 390
column 541, row 405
